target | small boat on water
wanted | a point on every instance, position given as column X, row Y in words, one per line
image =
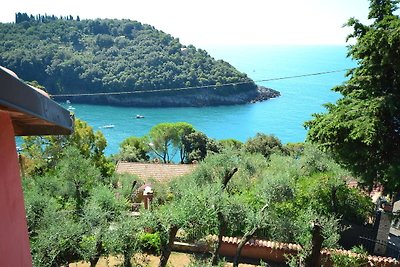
column 108, row 126
column 138, row 116
column 68, row 102
column 71, row 108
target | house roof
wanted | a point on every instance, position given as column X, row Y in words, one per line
column 160, row 172
column 31, row 110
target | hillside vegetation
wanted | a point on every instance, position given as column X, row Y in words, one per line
column 84, row 211
column 73, row 56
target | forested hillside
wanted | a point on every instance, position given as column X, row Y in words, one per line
column 70, row 56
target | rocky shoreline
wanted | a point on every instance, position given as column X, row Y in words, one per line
column 183, row 99
column 265, row 94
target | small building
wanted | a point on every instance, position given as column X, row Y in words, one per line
column 149, row 172
column 24, row 110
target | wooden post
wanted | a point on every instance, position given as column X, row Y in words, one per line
column 14, row 240
column 167, row 248
column 221, row 218
column 313, row 260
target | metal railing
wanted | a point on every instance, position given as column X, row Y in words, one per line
column 391, row 249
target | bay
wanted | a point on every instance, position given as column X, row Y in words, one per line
column 283, row 116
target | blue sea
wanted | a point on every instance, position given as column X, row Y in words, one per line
column 284, row 116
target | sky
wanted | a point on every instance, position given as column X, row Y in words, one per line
column 217, row 22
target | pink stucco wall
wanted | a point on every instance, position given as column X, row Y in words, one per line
column 14, row 241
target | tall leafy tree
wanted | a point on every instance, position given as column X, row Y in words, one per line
column 133, row 149
column 263, row 144
column 363, row 127
column 43, row 153
column 166, row 139
column 197, row 145
column 183, row 130
column 163, row 136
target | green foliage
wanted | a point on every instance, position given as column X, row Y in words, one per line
column 355, row 206
column 199, row 262
column 231, row 144
column 57, row 241
column 329, row 195
column 162, row 192
column 43, row 153
column 102, row 205
column 124, row 185
column 293, row 190
column 166, row 140
column 162, row 138
column 263, row 144
column 36, row 85
column 133, row 149
column 290, row 186
column 197, row 146
column 191, row 209
column 36, row 204
column 54, row 232
column 358, row 258
column 313, row 160
column 72, row 212
column 183, row 129
column 123, row 237
column 362, row 128
column 74, row 186
column 69, row 183
column 294, row 149
column 150, row 242
column 316, row 181
column 303, row 226
column 109, row 55
column 381, row 9
column 214, row 168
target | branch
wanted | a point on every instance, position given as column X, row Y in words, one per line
column 246, row 238
column 155, row 152
column 222, row 226
column 228, row 177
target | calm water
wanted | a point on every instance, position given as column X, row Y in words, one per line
column 283, row 116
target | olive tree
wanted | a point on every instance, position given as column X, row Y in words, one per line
column 263, row 144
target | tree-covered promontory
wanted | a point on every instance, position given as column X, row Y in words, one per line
column 74, row 56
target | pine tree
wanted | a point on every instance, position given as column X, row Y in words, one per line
column 363, row 127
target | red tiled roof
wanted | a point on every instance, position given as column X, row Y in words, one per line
column 160, row 172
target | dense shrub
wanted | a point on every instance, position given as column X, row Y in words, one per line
column 150, row 242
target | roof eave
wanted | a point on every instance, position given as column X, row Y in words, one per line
column 31, row 112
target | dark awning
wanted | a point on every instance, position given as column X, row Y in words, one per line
column 32, row 113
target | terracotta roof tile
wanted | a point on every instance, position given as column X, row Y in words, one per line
column 160, row 172
column 286, row 248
